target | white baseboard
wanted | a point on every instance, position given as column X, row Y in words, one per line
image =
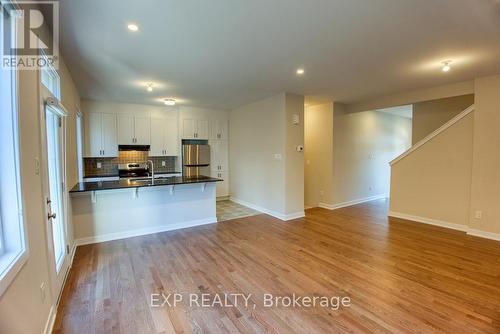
column 350, row 203
column 440, row 223
column 483, row 234
column 143, row 231
column 49, row 325
column 292, row 216
column 428, row 221
column 279, row 215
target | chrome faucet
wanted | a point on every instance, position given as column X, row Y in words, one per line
column 152, row 169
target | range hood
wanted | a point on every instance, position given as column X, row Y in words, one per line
column 133, row 148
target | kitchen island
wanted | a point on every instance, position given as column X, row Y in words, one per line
column 117, row 209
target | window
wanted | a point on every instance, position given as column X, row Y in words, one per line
column 50, row 79
column 13, row 249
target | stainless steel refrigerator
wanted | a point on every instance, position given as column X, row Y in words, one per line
column 195, row 160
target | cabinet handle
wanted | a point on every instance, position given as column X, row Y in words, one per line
column 102, row 152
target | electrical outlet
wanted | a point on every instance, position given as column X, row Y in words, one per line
column 42, row 291
column 478, row 214
column 163, row 163
column 99, row 165
column 277, row 156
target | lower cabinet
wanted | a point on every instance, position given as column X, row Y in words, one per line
column 222, row 186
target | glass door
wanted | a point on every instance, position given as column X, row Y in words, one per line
column 55, row 195
column 55, row 201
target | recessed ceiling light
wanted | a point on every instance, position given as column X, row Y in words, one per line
column 150, row 87
column 300, row 71
column 446, row 66
column 133, row 27
column 169, row 102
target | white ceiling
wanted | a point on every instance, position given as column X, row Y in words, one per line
column 403, row 111
column 226, row 53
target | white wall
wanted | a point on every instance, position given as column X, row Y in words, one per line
column 428, row 116
column 294, row 160
column 266, row 170
column 256, row 134
column 434, row 180
column 363, row 145
column 485, row 181
column 21, row 307
column 125, row 108
column 318, row 154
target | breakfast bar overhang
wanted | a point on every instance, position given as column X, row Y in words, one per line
column 110, row 210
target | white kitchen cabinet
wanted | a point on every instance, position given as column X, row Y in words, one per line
column 171, row 137
column 218, row 129
column 93, row 134
column 134, row 130
column 219, row 155
column 195, row 129
column 142, row 130
column 164, row 137
column 109, row 135
column 126, row 130
column 222, row 187
column 100, row 135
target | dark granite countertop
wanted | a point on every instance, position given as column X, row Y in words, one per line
column 116, row 175
column 126, row 183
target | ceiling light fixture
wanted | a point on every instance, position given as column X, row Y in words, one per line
column 446, row 66
column 133, row 27
column 169, row 102
column 150, row 87
column 300, row 71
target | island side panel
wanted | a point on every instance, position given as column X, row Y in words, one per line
column 123, row 213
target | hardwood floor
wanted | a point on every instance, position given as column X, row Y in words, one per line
column 401, row 277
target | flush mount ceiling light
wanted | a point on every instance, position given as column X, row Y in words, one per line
column 169, row 102
column 132, row 27
column 446, row 66
column 150, row 87
column 300, row 71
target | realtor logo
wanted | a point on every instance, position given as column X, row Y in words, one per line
column 30, row 34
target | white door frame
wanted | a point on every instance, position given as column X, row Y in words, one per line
column 57, row 277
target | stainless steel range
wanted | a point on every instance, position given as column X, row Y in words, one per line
column 133, row 170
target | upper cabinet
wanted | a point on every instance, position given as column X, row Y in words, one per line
column 134, row 130
column 218, row 129
column 195, row 129
column 100, row 133
column 164, row 137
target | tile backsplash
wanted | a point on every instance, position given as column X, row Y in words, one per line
column 109, row 166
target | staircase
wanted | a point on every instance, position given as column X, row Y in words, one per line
column 431, row 181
